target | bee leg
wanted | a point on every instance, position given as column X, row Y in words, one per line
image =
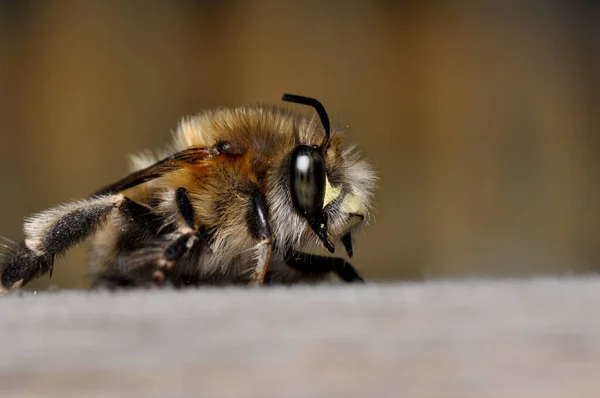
column 51, row 233
column 259, row 227
column 179, row 248
column 191, row 234
column 185, row 208
column 320, row 265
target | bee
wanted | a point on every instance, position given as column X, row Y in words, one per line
column 244, row 195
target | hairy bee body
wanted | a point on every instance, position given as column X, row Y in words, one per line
column 219, row 206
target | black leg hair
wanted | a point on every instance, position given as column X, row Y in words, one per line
column 315, row 264
column 142, row 226
column 141, row 215
column 182, row 246
column 19, row 265
column 259, row 227
column 192, row 234
column 143, row 268
column 186, row 210
column 177, row 249
column 54, row 231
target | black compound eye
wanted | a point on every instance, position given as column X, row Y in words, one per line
column 307, row 173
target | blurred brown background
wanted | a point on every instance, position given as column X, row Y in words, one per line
column 481, row 117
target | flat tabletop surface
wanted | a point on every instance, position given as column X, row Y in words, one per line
column 475, row 338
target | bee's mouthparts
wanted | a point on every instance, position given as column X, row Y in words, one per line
column 319, row 225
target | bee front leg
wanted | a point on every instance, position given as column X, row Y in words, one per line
column 259, row 227
column 191, row 234
column 320, row 265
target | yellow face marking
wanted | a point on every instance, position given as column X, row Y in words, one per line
column 331, row 192
column 352, row 205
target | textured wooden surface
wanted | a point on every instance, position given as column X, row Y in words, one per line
column 538, row 338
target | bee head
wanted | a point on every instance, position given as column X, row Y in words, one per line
column 313, row 196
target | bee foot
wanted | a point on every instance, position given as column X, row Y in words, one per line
column 256, row 282
column 158, row 277
column 165, row 264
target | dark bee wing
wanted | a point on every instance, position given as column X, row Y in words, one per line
column 167, row 165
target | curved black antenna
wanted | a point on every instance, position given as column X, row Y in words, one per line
column 299, row 99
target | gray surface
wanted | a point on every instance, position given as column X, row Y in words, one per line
column 455, row 339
